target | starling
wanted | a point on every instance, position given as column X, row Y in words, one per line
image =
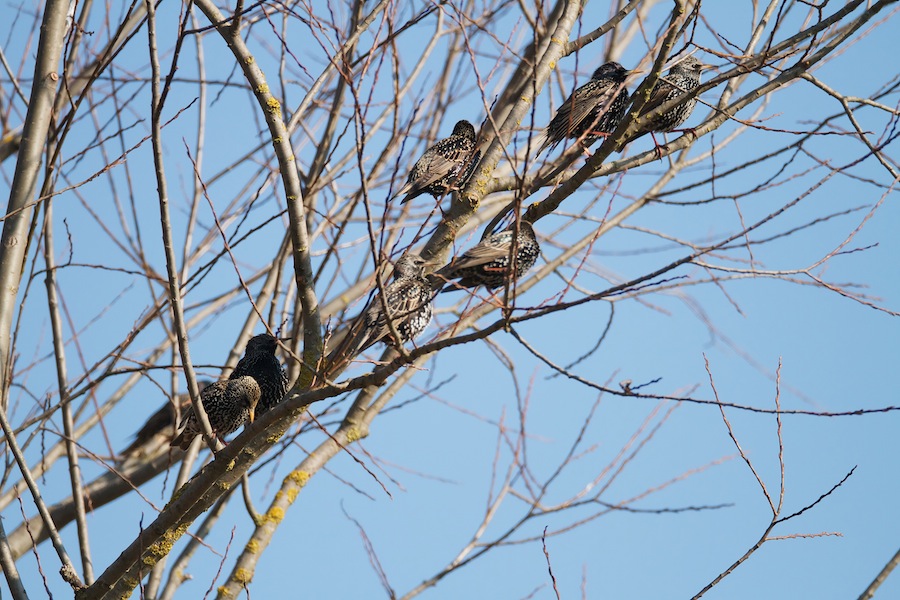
column 593, row 110
column 681, row 79
column 228, row 405
column 445, row 166
column 260, row 363
column 408, row 299
column 487, row 263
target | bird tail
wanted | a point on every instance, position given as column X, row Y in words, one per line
column 182, row 440
column 409, row 192
column 544, row 141
column 346, row 349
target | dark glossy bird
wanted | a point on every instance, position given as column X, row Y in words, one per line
column 593, row 110
column 446, row 166
column 161, row 426
column 228, row 404
column 680, row 80
column 260, row 363
column 488, row 262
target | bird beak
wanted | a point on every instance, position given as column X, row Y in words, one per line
column 252, row 413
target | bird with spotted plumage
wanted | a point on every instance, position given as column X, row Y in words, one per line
column 406, row 304
column 681, row 79
column 488, row 262
column 260, row 363
column 592, row 111
column 445, row 166
column 228, row 404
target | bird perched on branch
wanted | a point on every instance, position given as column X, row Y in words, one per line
column 228, row 404
column 488, row 262
column 406, row 304
column 681, row 79
column 593, row 110
column 445, row 166
column 260, row 363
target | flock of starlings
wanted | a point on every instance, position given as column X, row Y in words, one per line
column 591, row 112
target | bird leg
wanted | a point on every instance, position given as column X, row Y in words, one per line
column 657, row 147
column 689, row 130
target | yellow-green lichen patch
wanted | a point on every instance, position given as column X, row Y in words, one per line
column 353, row 434
column 223, row 485
column 263, row 89
column 273, row 104
column 275, row 514
column 230, row 465
column 250, row 60
column 298, row 477
column 163, row 546
column 252, row 547
column 292, row 494
column 224, row 592
column 243, row 576
column 131, row 583
column 272, row 439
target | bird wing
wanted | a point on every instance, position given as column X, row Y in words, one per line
column 599, row 99
column 404, row 297
column 439, row 161
column 662, row 92
column 480, row 254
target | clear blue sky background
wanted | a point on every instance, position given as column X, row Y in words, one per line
column 837, row 355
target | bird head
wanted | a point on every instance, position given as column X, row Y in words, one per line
column 464, row 129
column 691, row 64
column 410, row 265
column 250, row 393
column 263, row 342
column 612, row 71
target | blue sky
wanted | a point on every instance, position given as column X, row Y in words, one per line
column 439, row 454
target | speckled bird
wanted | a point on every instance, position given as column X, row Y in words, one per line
column 408, row 300
column 260, row 363
column 593, row 110
column 446, row 166
column 228, row 404
column 681, row 79
column 487, row 263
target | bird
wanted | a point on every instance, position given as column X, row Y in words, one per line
column 487, row 263
column 445, row 166
column 593, row 110
column 681, row 79
column 408, row 302
column 228, row 404
column 260, row 363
